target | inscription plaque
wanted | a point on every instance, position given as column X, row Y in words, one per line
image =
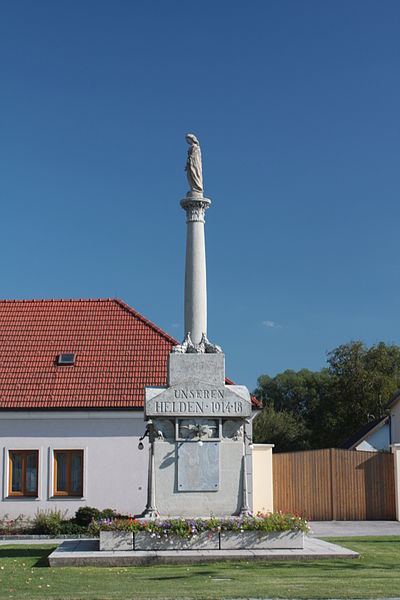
column 198, row 467
column 205, row 400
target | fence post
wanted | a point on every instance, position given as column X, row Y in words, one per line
column 263, row 489
column 332, row 473
column 396, row 460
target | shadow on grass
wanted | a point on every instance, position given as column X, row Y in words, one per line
column 194, row 573
column 40, row 554
column 167, row 577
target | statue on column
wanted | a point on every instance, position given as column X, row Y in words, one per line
column 194, row 170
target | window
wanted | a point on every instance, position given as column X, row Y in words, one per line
column 23, row 473
column 66, row 359
column 68, row 472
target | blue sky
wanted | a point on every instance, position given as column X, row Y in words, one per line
column 296, row 106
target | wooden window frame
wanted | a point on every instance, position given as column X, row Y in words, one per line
column 23, row 493
column 68, row 492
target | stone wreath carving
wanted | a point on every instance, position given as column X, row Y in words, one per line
column 204, row 347
column 232, row 430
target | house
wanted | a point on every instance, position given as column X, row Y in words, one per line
column 372, row 437
column 394, row 411
column 379, row 434
column 72, row 383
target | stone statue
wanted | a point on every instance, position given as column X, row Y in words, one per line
column 194, row 170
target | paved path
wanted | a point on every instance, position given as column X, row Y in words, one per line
column 354, row 528
column 33, row 542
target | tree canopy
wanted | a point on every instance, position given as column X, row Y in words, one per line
column 319, row 409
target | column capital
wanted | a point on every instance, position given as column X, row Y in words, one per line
column 195, row 207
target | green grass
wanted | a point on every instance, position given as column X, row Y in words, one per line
column 24, row 574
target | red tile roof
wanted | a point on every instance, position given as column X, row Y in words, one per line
column 118, row 352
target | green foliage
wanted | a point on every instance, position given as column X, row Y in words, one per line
column 305, row 409
column 48, row 522
column 85, row 514
column 109, row 513
column 71, row 528
column 363, row 380
column 279, row 427
column 297, row 393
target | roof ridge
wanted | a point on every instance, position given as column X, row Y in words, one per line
column 136, row 314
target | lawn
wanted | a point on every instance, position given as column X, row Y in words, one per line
column 24, row 574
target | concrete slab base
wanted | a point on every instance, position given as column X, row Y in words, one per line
column 82, row 553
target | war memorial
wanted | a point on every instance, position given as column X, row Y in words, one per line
column 199, row 427
column 200, row 450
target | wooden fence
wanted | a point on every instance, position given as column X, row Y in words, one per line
column 335, row 484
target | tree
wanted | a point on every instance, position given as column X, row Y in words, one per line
column 329, row 405
column 281, row 428
column 297, row 394
column 362, row 382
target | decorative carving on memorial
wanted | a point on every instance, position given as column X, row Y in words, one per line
column 205, row 347
column 195, row 208
column 232, row 430
column 164, row 429
column 209, row 348
column 198, row 429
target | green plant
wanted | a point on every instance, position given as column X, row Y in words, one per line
column 71, row 528
column 48, row 521
column 10, row 526
column 85, row 514
column 109, row 513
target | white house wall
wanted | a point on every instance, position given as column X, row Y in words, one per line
column 114, row 470
column 377, row 440
column 395, row 421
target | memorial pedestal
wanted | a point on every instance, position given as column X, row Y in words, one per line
column 200, row 432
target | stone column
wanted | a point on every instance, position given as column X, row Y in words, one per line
column 195, row 206
column 245, row 510
column 151, row 509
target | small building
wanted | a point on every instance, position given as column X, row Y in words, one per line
column 72, row 385
column 372, row 437
column 379, row 434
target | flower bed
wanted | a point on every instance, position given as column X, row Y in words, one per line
column 268, row 523
column 274, row 530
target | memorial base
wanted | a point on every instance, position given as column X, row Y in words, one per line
column 116, row 541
